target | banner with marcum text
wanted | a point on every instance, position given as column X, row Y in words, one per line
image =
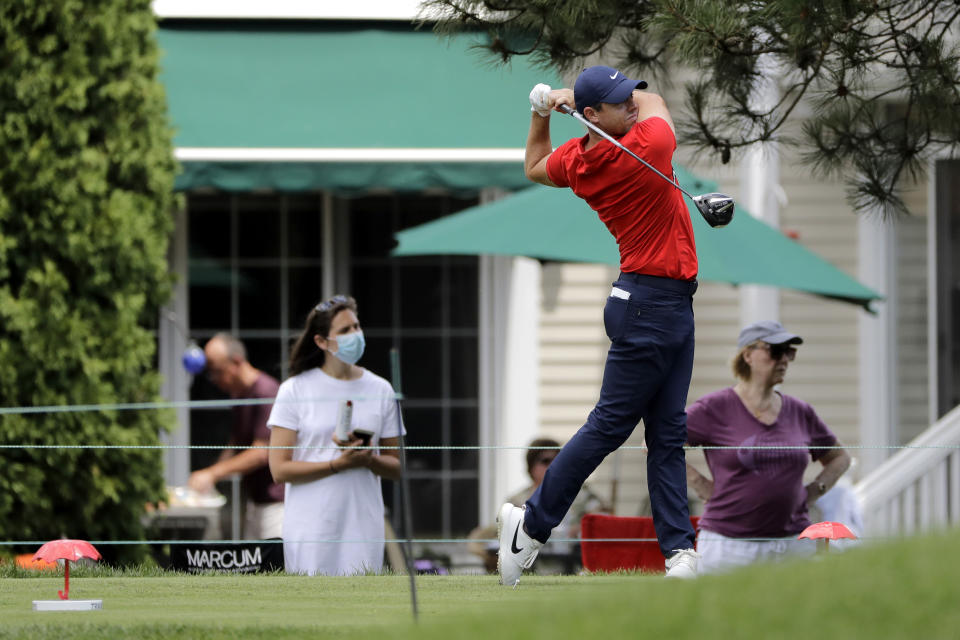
column 237, row 557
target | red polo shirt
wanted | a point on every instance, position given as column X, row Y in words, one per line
column 646, row 215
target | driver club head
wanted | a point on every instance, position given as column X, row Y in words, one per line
column 716, row 208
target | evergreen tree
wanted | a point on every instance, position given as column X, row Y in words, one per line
column 86, row 195
column 881, row 77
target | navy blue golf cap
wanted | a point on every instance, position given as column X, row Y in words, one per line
column 603, row 84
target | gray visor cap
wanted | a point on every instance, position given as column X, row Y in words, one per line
column 768, row 331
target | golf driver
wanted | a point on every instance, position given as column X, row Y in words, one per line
column 716, row 208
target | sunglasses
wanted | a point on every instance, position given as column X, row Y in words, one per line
column 777, row 351
column 331, row 303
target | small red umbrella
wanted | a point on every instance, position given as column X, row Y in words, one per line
column 66, row 550
column 827, row 531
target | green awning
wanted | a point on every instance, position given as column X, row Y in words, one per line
column 343, row 105
column 554, row 224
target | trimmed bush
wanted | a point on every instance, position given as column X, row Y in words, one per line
column 86, row 194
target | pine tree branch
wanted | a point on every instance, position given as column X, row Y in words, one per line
column 882, row 76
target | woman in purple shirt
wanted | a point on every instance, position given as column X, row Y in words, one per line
column 756, row 503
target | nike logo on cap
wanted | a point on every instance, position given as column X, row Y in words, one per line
column 513, row 545
column 614, row 76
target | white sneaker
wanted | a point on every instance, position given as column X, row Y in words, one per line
column 683, row 564
column 517, row 549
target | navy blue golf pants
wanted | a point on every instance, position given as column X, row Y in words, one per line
column 646, row 377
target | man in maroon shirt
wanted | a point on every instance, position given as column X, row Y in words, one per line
column 648, row 315
column 228, row 368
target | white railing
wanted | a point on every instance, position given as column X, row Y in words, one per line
column 918, row 488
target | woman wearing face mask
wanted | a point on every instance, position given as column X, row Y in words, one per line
column 331, row 493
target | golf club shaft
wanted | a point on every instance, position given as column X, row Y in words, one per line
column 404, row 487
column 600, row 132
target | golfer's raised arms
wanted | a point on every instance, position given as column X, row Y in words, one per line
column 538, row 149
column 650, row 105
column 543, row 100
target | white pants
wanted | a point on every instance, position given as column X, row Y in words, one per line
column 720, row 553
column 263, row 521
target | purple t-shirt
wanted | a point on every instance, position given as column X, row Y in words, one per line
column 249, row 424
column 756, row 492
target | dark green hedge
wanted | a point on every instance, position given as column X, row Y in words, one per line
column 86, row 194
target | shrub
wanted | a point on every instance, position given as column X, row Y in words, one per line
column 86, row 193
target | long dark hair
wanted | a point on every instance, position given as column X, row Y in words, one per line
column 305, row 354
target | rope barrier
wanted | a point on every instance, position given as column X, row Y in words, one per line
column 177, row 404
column 408, row 447
column 228, row 403
column 10, row 543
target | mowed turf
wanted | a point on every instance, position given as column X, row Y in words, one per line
column 908, row 589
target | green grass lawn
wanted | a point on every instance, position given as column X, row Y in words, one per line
column 909, row 589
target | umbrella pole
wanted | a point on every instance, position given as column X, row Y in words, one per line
column 65, row 594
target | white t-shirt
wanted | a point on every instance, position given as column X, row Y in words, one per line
column 348, row 505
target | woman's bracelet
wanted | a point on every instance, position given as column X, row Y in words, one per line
column 332, row 469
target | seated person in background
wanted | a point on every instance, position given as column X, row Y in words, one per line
column 756, row 503
column 540, row 454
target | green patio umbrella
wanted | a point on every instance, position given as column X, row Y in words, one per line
column 554, row 224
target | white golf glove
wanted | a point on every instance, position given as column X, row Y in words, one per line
column 540, row 100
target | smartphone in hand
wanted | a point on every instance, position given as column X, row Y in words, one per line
column 363, row 434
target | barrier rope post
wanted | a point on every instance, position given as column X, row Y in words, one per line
column 404, row 489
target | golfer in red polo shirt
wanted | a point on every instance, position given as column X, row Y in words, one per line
column 648, row 315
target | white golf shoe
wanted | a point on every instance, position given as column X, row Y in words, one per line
column 517, row 549
column 683, row 564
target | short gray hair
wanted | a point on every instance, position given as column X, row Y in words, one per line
column 233, row 345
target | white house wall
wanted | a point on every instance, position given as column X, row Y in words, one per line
column 911, row 317
column 826, row 371
column 572, row 344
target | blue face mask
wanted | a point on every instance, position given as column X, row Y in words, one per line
column 350, row 347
